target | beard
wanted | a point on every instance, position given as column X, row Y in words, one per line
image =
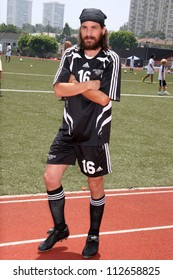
column 90, row 42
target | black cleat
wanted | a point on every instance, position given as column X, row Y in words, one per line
column 55, row 235
column 91, row 247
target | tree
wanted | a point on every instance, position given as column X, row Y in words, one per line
column 43, row 45
column 39, row 28
column 24, row 44
column 122, row 40
column 153, row 34
column 39, row 45
column 28, row 28
column 65, row 35
column 124, row 26
column 10, row 28
column 73, row 40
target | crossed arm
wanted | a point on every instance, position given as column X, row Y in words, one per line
column 89, row 89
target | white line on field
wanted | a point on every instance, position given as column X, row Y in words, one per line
column 123, row 94
column 28, row 90
column 79, row 192
column 145, row 95
column 46, row 75
column 88, row 196
column 139, row 81
column 84, row 235
column 29, row 74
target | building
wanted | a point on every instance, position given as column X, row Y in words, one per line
column 149, row 15
column 11, row 38
column 19, row 12
column 53, row 14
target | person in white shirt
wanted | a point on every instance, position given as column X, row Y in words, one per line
column 171, row 70
column 0, row 63
column 132, row 62
column 8, row 53
column 161, row 78
column 150, row 69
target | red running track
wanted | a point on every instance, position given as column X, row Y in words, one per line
column 137, row 225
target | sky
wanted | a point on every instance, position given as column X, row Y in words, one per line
column 117, row 11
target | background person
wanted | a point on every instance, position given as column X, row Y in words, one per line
column 161, row 78
column 0, row 68
column 67, row 45
column 132, row 63
column 171, row 69
column 150, row 69
column 89, row 78
column 0, row 63
column 8, row 53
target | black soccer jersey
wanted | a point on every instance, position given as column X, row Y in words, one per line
column 85, row 122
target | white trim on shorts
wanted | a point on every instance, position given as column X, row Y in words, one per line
column 0, row 65
column 108, row 157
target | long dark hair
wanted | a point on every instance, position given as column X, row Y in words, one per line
column 103, row 43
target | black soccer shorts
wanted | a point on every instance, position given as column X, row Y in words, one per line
column 162, row 83
column 93, row 161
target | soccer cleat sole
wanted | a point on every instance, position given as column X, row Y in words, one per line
column 40, row 251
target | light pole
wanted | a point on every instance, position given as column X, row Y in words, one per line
column 147, row 46
column 48, row 28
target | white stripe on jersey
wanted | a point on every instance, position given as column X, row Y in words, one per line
column 62, row 62
column 115, row 72
column 106, row 108
column 59, row 69
column 108, row 158
column 104, row 123
column 74, row 55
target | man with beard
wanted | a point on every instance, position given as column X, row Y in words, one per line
column 89, row 78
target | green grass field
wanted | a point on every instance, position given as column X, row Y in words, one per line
column 141, row 139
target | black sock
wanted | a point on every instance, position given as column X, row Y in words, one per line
column 96, row 213
column 56, row 199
